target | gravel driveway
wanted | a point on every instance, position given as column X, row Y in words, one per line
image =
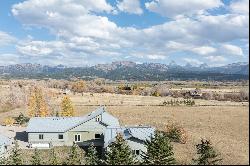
column 17, row 132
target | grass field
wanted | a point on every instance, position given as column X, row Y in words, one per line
column 226, row 126
column 224, row 123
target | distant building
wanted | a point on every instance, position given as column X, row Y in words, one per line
column 66, row 91
column 194, row 93
column 5, row 143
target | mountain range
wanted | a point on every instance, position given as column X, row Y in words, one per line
column 127, row 70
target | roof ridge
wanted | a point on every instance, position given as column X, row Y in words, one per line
column 87, row 117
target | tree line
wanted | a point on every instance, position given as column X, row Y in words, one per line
column 159, row 152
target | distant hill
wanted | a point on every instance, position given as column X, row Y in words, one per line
column 126, row 70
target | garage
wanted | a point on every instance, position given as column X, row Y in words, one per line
column 40, row 145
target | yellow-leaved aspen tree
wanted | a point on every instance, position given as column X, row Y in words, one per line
column 37, row 104
column 67, row 107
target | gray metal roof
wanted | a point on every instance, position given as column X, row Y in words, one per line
column 142, row 133
column 109, row 120
column 4, row 140
column 62, row 124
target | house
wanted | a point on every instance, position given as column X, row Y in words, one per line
column 66, row 91
column 5, row 143
column 135, row 137
column 58, row 131
column 99, row 127
column 194, row 93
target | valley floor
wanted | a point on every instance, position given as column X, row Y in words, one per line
column 226, row 124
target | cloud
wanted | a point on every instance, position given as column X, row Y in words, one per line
column 181, row 7
column 81, row 32
column 156, row 57
column 130, row 6
column 193, row 62
column 39, row 48
column 210, row 27
column 229, row 49
column 9, row 59
column 216, row 59
column 240, row 6
column 54, row 8
column 6, row 39
column 204, row 50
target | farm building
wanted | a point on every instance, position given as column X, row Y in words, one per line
column 196, row 93
column 98, row 128
column 5, row 142
column 135, row 137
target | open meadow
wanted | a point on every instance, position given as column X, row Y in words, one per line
column 225, row 123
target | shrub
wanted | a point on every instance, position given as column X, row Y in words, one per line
column 156, row 94
column 9, row 121
column 21, row 119
column 176, row 133
column 207, row 96
column 244, row 94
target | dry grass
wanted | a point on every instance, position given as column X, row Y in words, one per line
column 226, row 126
column 224, row 123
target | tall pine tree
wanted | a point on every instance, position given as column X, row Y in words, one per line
column 67, row 107
column 92, row 156
column 15, row 157
column 36, row 158
column 75, row 155
column 3, row 161
column 119, row 153
column 53, row 158
column 206, row 154
column 159, row 151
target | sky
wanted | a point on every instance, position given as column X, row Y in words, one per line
column 88, row 32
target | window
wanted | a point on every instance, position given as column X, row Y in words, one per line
column 97, row 136
column 60, row 136
column 77, row 138
column 40, row 136
column 136, row 152
column 97, row 119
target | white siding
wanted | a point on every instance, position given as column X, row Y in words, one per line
column 48, row 138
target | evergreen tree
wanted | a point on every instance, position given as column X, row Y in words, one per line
column 207, row 154
column 159, row 151
column 192, row 102
column 53, row 158
column 21, row 119
column 36, row 158
column 171, row 102
column 119, row 153
column 91, row 156
column 67, row 107
column 3, row 161
column 75, row 156
column 15, row 157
